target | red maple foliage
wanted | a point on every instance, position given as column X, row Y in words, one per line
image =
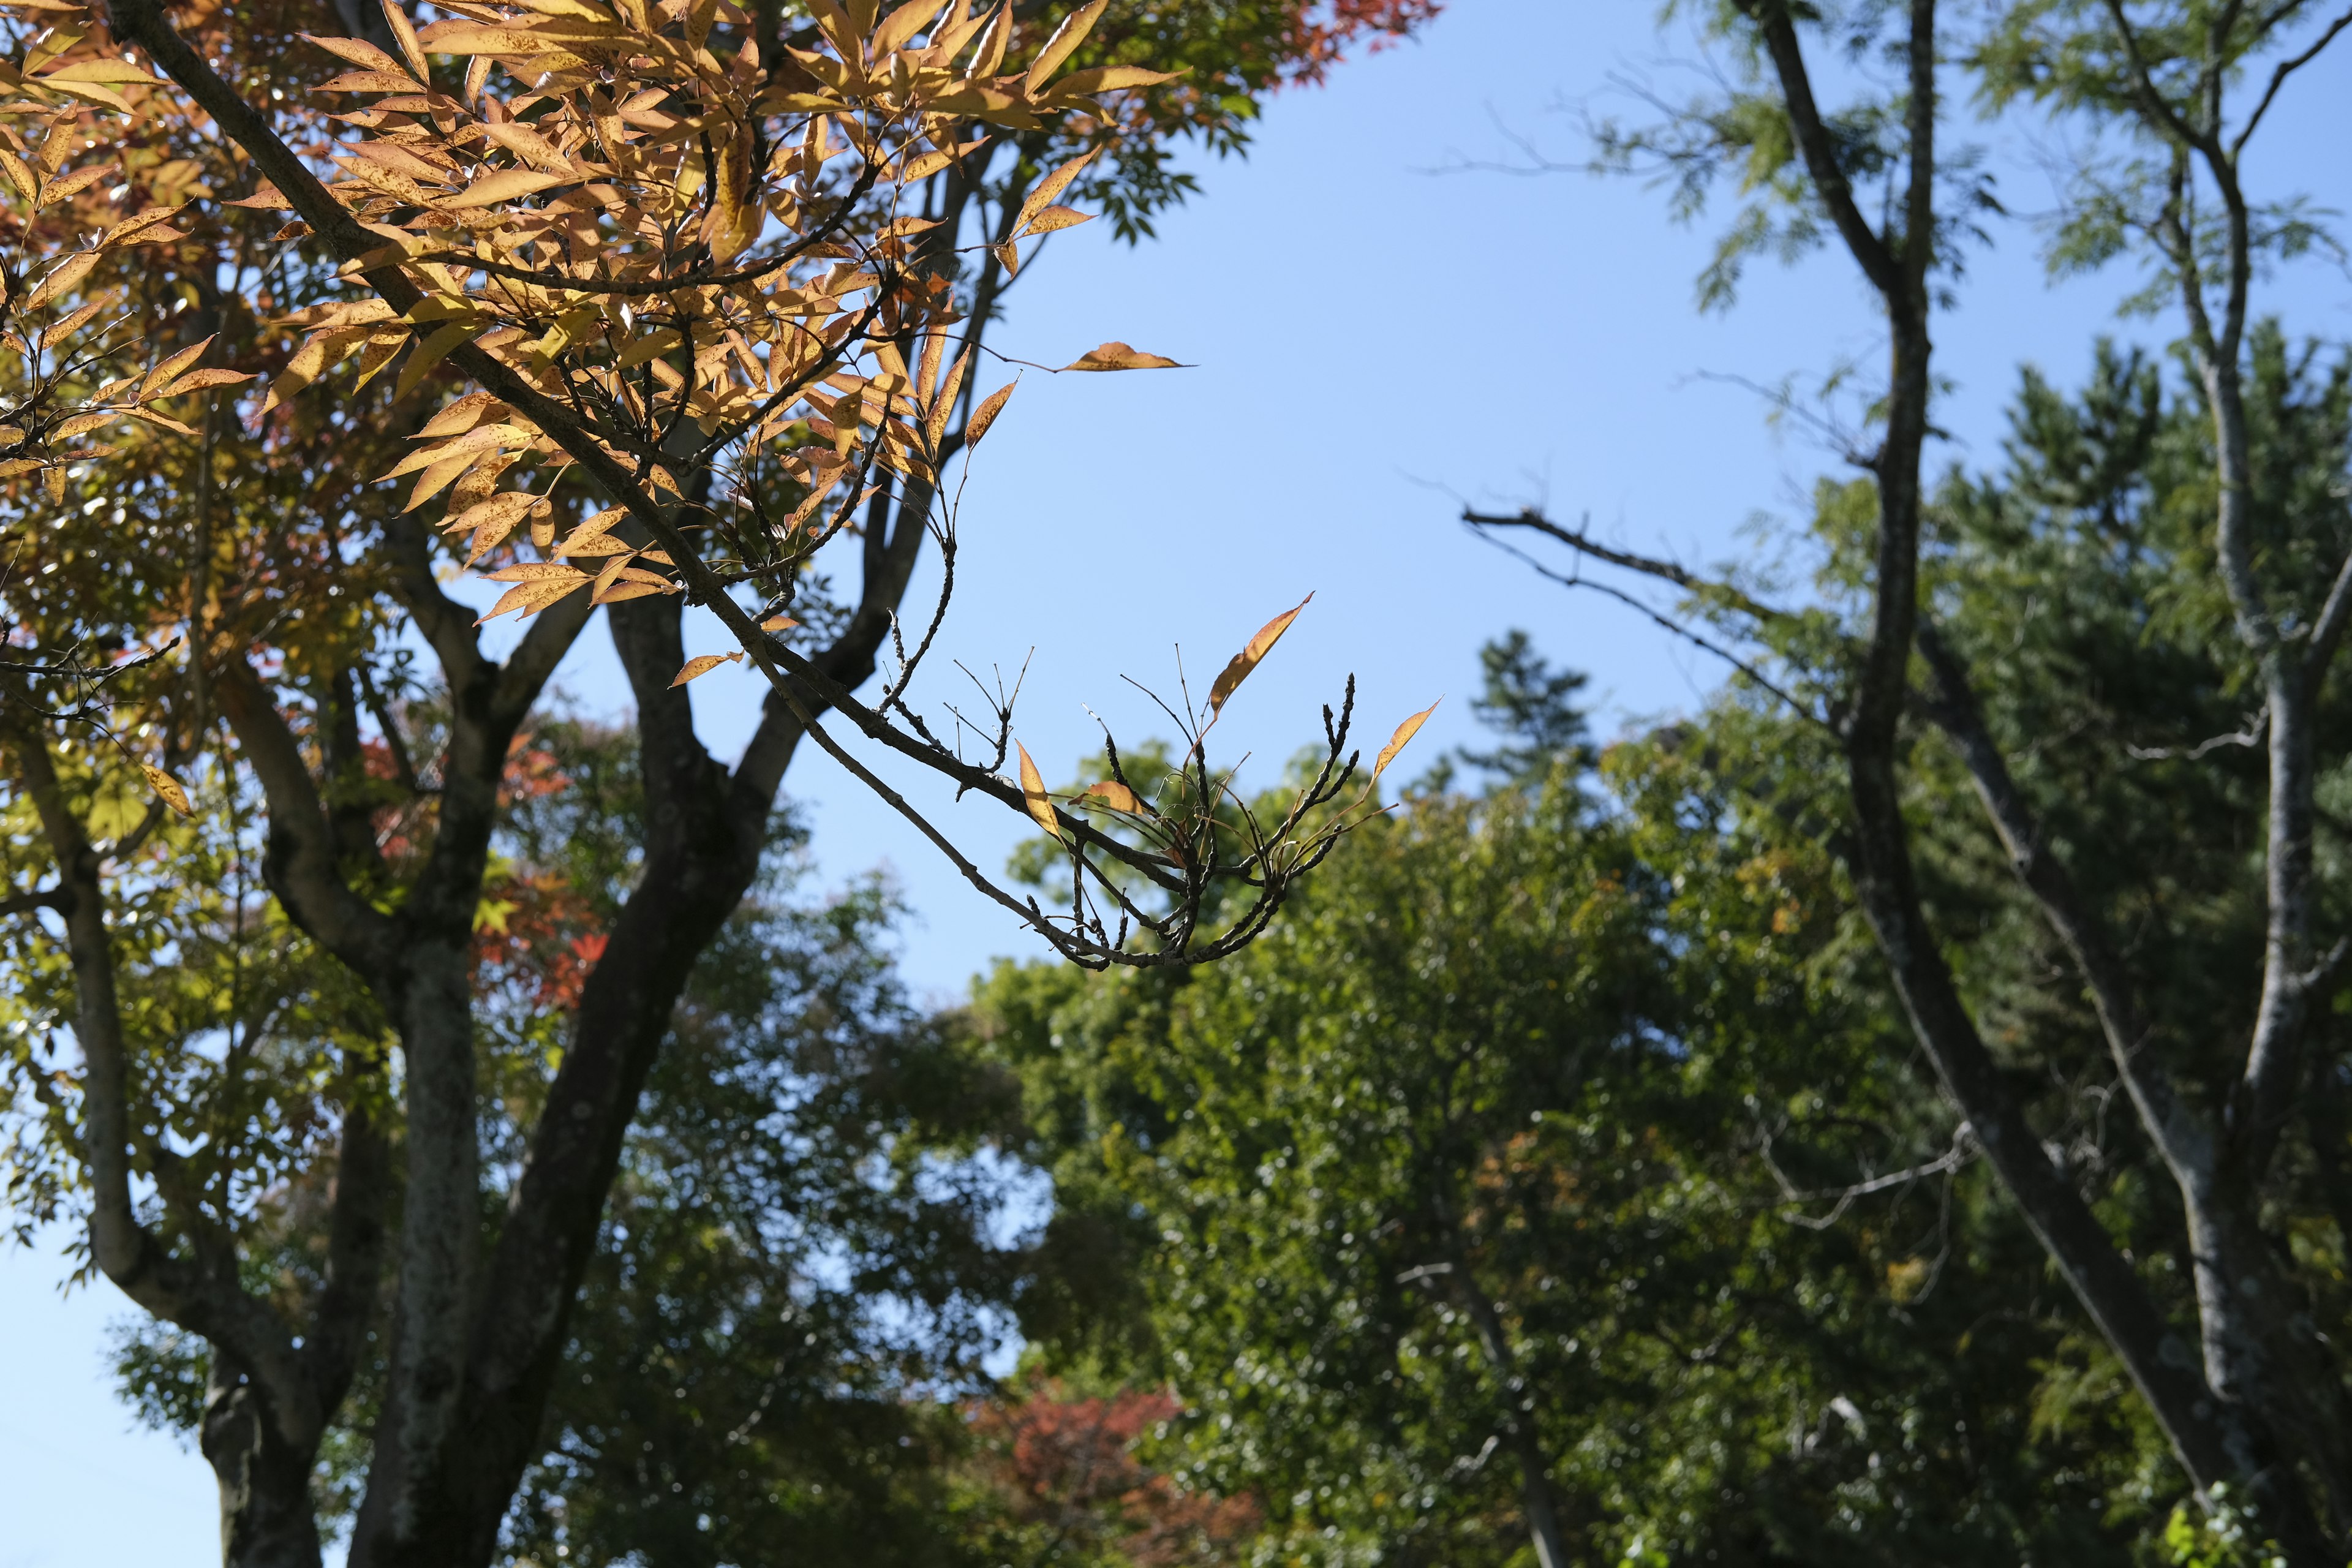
column 1069, row 1471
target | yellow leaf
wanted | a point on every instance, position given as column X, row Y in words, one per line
column 532, row 598
column 1404, row 733
column 1033, row 794
column 367, row 81
column 121, row 233
column 1119, row 356
column 357, row 52
column 116, row 70
column 703, row 664
column 1113, row 794
column 1049, row 219
column 81, row 180
column 1049, row 189
column 985, row 415
column 198, row 380
column 1108, row 78
column 474, row 408
column 536, row 571
column 778, row 624
column 1238, row 670
column 61, row 277
column 82, row 425
column 167, row 788
column 506, row 185
column 593, row 537
column 173, row 366
column 20, row 174
column 53, row 481
column 1062, row 45
column 406, row 35
column 900, row 27
column 428, row 353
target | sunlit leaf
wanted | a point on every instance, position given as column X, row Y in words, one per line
column 1119, row 356
column 703, row 664
column 1238, row 668
column 985, row 415
column 1404, row 734
column 1033, row 796
column 167, row 788
column 1113, row 794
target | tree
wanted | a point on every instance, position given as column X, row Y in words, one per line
column 1893, row 677
column 692, row 295
column 1486, row 1209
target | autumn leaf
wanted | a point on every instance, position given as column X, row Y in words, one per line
column 1062, row 45
column 1238, row 670
column 985, row 415
column 198, row 380
column 62, row 276
column 703, row 664
column 1119, row 356
column 506, row 185
column 1113, row 794
column 167, row 788
column 1052, row 220
column 1404, row 734
column 1033, row 796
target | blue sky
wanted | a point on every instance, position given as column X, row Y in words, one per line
column 1373, row 341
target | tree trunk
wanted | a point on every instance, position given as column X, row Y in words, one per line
column 267, row 1519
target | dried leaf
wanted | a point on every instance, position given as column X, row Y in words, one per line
column 1113, row 795
column 1033, row 794
column 173, row 366
column 778, row 624
column 1119, row 356
column 1062, row 45
column 357, row 52
column 506, row 185
column 703, row 664
column 61, row 277
column 1404, row 733
column 167, row 789
column 985, row 415
column 1049, row 189
column 1238, row 670
column 1050, row 219
column 198, row 380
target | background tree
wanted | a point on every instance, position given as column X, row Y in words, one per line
column 2259, row 1401
column 1542, row 1181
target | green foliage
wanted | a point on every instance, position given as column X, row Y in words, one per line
column 1597, row 1079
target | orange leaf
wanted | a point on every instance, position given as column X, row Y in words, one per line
column 162, row 373
column 506, row 185
column 198, row 380
column 1238, row 670
column 1062, row 45
column 985, row 415
column 356, row 52
column 1404, row 733
column 1119, row 356
column 1033, row 794
column 1049, row 219
column 1113, row 795
column 703, row 664
column 166, row 788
